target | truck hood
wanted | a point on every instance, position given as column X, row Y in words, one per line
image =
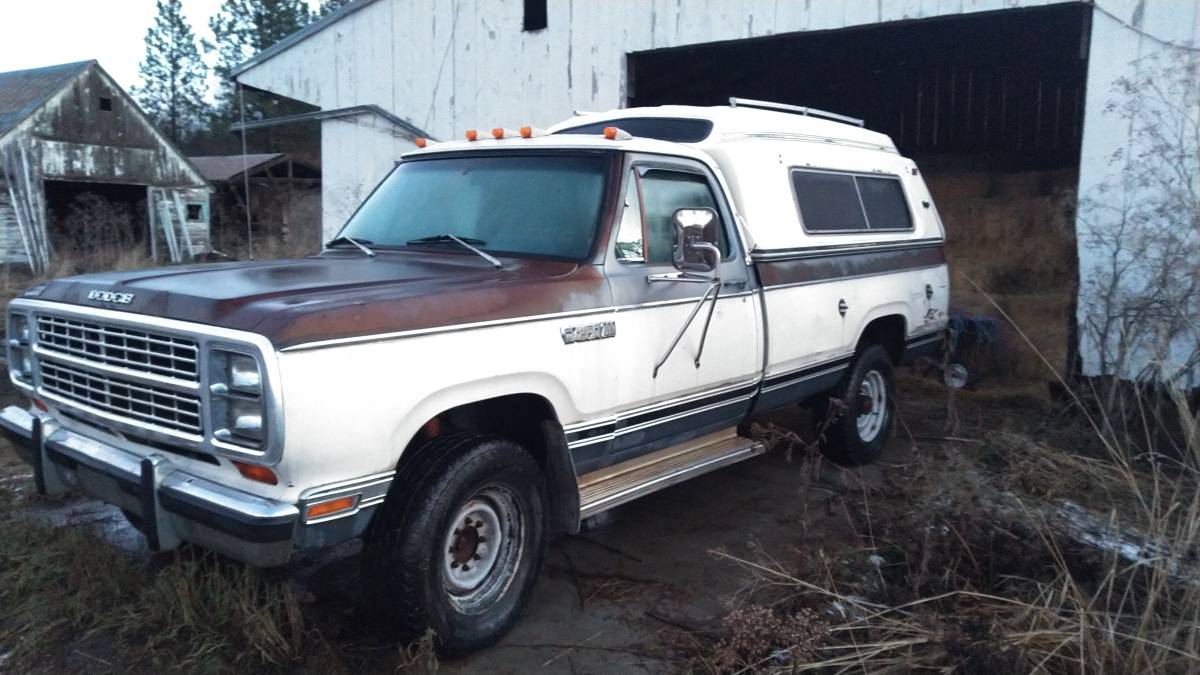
column 341, row 294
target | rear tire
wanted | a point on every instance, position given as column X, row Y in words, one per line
column 459, row 541
column 860, row 433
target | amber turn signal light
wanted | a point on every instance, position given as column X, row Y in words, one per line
column 321, row 509
column 257, row 473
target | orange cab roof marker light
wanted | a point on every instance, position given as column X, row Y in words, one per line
column 532, row 132
column 472, row 134
column 501, row 132
column 616, row 134
column 420, row 142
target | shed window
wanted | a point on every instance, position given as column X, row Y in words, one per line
column 105, row 103
column 195, row 212
column 843, row 202
column 535, row 15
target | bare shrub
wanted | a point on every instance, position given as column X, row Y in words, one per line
column 1139, row 318
column 763, row 635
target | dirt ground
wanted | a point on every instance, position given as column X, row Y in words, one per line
column 620, row 596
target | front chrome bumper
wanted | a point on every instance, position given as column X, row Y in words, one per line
column 174, row 506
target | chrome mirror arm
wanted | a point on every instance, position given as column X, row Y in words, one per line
column 714, row 289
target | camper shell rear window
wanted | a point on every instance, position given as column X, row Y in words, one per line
column 673, row 129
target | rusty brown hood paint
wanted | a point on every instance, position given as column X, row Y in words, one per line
column 344, row 294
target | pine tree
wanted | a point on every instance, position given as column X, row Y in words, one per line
column 174, row 78
column 243, row 28
column 330, row 6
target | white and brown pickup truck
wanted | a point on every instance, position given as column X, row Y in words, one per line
column 513, row 333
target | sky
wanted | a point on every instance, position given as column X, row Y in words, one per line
column 35, row 33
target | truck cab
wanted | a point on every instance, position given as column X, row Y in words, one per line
column 513, row 333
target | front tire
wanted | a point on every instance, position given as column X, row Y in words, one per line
column 459, row 542
column 858, row 436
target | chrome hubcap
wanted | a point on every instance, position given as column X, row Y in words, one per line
column 872, row 406
column 482, row 548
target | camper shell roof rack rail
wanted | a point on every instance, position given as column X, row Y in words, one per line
column 799, row 110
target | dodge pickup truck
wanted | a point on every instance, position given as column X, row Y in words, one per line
column 513, row 333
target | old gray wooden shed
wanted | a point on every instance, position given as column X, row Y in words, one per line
column 70, row 130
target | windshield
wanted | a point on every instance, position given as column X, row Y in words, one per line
column 542, row 205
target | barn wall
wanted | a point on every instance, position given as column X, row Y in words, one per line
column 356, row 153
column 79, row 141
column 447, row 66
column 11, row 249
column 1128, row 42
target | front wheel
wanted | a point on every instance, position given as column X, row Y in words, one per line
column 858, row 436
column 459, row 542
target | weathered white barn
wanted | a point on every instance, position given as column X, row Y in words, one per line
column 69, row 132
column 1014, row 107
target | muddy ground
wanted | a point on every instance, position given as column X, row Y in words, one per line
column 622, row 596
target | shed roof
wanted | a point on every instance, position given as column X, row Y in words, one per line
column 24, row 91
column 224, row 167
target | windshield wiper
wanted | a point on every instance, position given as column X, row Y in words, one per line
column 465, row 242
column 360, row 243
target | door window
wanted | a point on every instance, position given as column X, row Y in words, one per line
column 647, row 229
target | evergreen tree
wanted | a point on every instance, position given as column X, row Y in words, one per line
column 243, row 28
column 330, row 6
column 174, row 78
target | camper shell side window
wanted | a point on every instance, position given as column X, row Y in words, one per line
column 845, row 202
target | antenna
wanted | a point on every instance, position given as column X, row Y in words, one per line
column 799, row 110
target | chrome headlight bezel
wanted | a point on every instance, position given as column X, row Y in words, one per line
column 237, row 393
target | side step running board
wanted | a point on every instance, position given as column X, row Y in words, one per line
column 614, row 485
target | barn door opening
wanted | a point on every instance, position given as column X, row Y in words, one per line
column 95, row 226
column 989, row 104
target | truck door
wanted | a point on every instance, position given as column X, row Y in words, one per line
column 689, row 393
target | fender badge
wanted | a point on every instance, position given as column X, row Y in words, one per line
column 592, row 331
column 110, row 296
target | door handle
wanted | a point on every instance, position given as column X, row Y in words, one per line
column 842, row 307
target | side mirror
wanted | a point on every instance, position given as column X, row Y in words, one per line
column 696, row 240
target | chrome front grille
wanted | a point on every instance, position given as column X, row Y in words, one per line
column 132, row 348
column 134, row 401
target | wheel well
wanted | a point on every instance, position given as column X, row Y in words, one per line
column 529, row 420
column 887, row 332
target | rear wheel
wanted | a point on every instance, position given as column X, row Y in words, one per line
column 459, row 542
column 858, row 436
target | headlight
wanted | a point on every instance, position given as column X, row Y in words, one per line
column 237, row 401
column 20, row 362
column 18, row 326
column 244, row 418
column 243, row 374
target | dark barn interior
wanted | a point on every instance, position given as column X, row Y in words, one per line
column 85, row 218
column 990, row 105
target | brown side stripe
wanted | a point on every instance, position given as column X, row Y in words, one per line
column 831, row 266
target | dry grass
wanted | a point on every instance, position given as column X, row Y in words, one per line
column 1050, row 541
column 71, row 602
